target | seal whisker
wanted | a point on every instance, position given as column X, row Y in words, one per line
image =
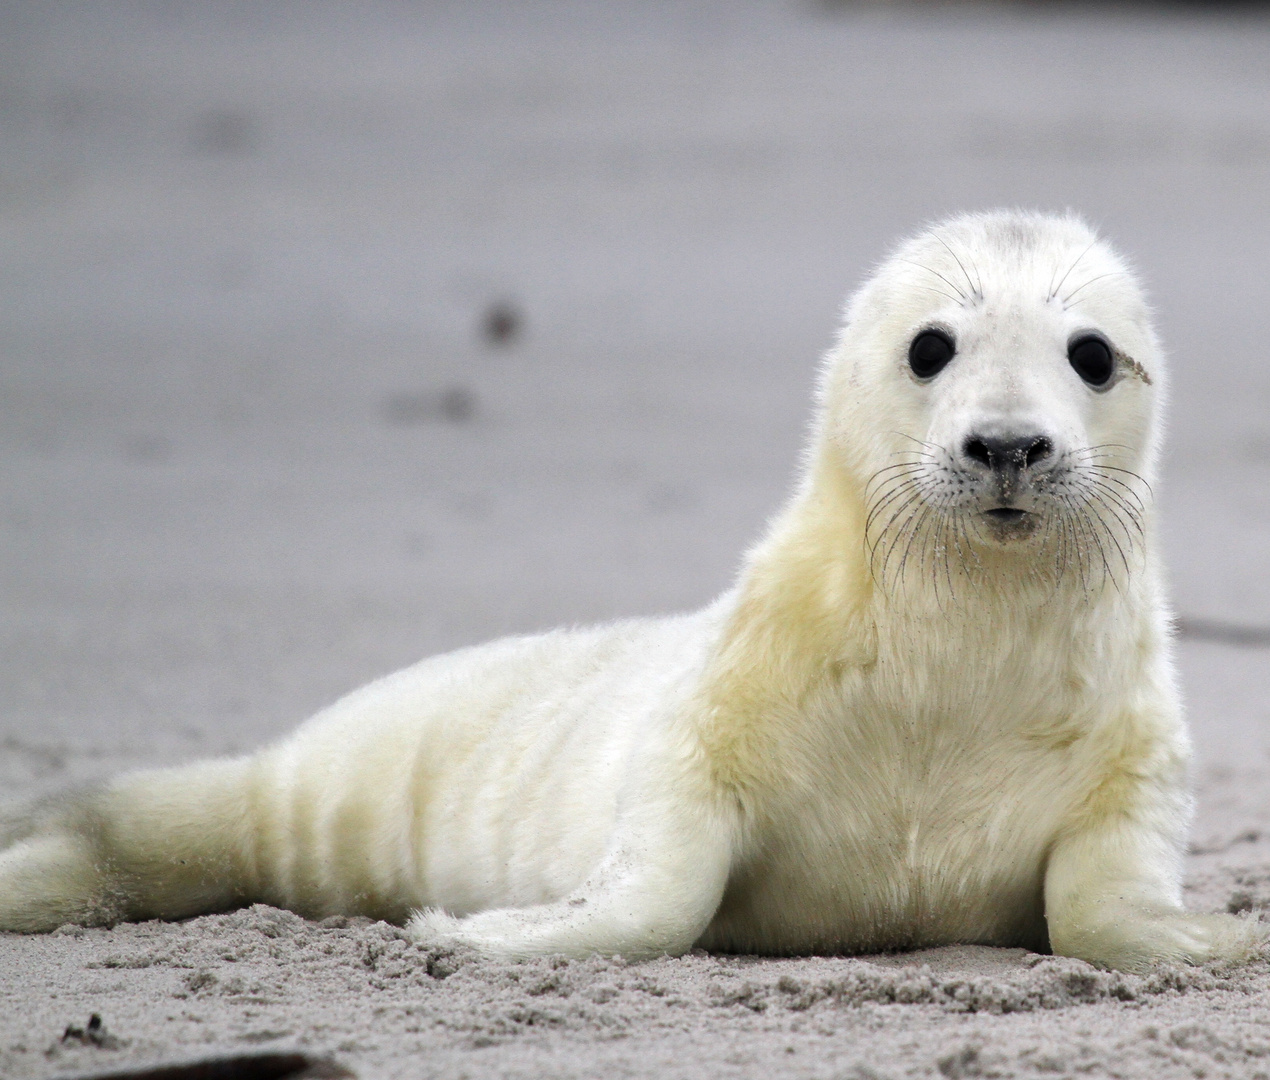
column 925, row 445
column 888, row 539
column 947, row 535
column 1116, row 504
column 1049, row 542
column 913, row 494
column 933, row 541
column 905, row 486
column 940, row 292
column 879, row 485
column 887, row 500
column 952, row 285
column 906, row 528
column 1095, row 475
column 1057, row 288
column 1090, row 531
column 1111, row 537
column 927, row 532
column 1067, row 300
column 1108, row 572
column 1125, row 489
column 1119, row 520
column 889, row 472
column 898, row 467
column 1071, row 545
column 917, row 529
column 1124, row 512
column 978, row 277
column 1107, row 446
column 1060, row 550
column 958, row 525
column 1125, row 494
column 1102, row 525
column 1066, row 537
column 1132, row 509
column 1128, row 472
column 1076, row 549
column 975, row 292
column 921, row 513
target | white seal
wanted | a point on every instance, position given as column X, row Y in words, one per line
column 937, row 707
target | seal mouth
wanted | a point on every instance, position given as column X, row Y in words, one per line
column 1007, row 515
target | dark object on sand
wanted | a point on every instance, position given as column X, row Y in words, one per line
column 453, row 405
column 502, row 323
column 94, row 1033
column 268, row 1066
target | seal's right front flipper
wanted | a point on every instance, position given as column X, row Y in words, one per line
column 1113, row 892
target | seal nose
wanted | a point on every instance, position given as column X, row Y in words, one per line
column 1007, row 453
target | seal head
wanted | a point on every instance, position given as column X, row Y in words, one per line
column 1011, row 363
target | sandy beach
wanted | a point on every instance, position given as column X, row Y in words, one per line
column 333, row 336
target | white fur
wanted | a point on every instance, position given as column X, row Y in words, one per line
column 900, row 728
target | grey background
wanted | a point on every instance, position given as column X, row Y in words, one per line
column 256, row 449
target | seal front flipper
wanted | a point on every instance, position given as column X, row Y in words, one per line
column 652, row 894
column 1108, row 902
column 1113, row 893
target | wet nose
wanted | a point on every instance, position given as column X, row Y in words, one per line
column 1001, row 453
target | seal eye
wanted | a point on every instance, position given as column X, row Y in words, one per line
column 1091, row 358
column 930, row 352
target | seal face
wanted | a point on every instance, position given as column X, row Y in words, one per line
column 1013, row 427
column 936, row 707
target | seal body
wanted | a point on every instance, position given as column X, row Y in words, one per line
column 938, row 706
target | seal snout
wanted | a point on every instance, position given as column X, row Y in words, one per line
column 1006, row 463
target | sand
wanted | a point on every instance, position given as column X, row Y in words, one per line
column 387, row 1007
column 265, row 434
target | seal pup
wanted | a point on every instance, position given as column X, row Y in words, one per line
column 938, row 706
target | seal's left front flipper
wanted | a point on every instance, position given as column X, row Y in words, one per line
column 653, row 894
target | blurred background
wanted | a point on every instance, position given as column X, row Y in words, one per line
column 337, row 334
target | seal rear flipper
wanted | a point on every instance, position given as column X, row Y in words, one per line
column 162, row 843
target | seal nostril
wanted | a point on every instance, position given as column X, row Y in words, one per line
column 1004, row 453
column 1039, row 451
column 977, row 450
